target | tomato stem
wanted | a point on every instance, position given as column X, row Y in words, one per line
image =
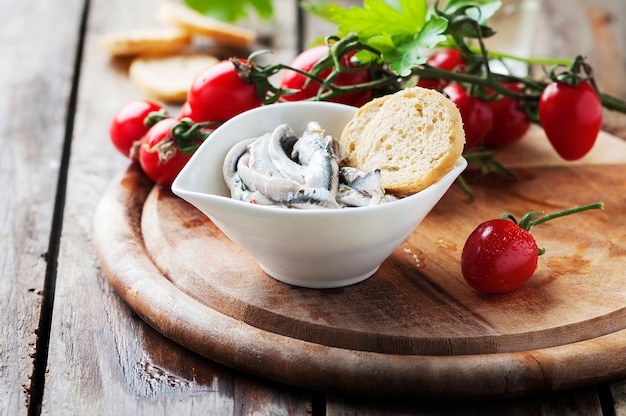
column 154, row 117
column 485, row 159
column 188, row 135
column 531, row 61
column 465, row 187
column 528, row 221
column 596, row 205
column 613, row 103
column 387, row 81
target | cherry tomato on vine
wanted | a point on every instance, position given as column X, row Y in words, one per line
column 476, row 114
column 510, row 122
column 220, row 93
column 500, row 255
column 571, row 117
column 305, row 62
column 128, row 125
column 446, row 59
column 159, row 155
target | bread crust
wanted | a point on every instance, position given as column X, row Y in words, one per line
column 414, row 136
column 183, row 17
column 168, row 78
column 163, row 40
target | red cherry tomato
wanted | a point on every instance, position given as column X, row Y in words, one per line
column 510, row 122
column 498, row 256
column 128, row 125
column 159, row 156
column 571, row 117
column 219, row 93
column 476, row 114
column 447, row 59
column 185, row 112
column 306, row 60
column 501, row 254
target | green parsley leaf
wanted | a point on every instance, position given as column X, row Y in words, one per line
column 232, row 10
column 378, row 17
column 402, row 30
column 405, row 31
column 410, row 54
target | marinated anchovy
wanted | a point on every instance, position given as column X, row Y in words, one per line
column 285, row 170
column 229, row 169
column 314, row 151
column 365, row 183
column 279, row 151
column 241, row 192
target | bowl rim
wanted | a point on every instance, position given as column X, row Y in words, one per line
column 458, row 167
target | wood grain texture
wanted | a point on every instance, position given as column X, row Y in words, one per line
column 575, row 402
column 415, row 323
column 387, row 313
column 35, row 79
column 103, row 359
column 145, row 375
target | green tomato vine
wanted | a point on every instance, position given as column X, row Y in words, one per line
column 393, row 40
column 465, row 29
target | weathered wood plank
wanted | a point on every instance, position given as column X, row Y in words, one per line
column 578, row 402
column 35, row 80
column 617, row 393
column 103, row 359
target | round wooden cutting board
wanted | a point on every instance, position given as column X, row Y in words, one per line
column 414, row 328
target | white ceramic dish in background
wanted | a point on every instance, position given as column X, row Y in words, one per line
column 319, row 248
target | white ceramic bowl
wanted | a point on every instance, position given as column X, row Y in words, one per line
column 319, row 248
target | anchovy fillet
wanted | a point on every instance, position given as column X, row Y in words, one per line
column 229, row 168
column 284, row 170
column 315, row 151
column 282, row 140
column 367, row 183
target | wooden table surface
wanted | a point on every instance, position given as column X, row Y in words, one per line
column 69, row 345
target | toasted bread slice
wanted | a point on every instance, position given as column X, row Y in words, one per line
column 181, row 16
column 168, row 78
column 357, row 127
column 414, row 136
column 163, row 40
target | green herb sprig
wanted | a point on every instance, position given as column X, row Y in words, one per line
column 232, row 11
